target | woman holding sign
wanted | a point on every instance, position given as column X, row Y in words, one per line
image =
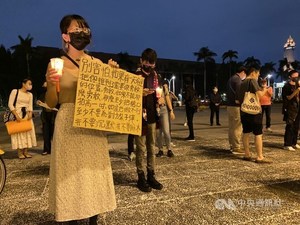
column 81, row 182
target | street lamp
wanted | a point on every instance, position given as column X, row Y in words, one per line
column 169, row 82
column 268, row 79
column 173, row 78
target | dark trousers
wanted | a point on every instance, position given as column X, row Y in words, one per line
column 48, row 129
column 266, row 109
column 212, row 112
column 291, row 132
column 130, row 143
column 190, row 116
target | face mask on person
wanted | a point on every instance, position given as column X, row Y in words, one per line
column 147, row 69
column 28, row 87
column 294, row 79
column 79, row 40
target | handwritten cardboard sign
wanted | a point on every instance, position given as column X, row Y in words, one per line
column 108, row 99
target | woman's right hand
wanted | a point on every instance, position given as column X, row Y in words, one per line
column 19, row 119
column 52, row 77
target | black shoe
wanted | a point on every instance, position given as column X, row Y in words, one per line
column 170, row 153
column 142, row 183
column 218, row 124
column 152, row 181
column 190, row 139
column 160, row 153
column 73, row 222
column 93, row 220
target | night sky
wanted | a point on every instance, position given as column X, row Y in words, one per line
column 175, row 28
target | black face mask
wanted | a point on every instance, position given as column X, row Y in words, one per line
column 294, row 79
column 147, row 69
column 79, row 40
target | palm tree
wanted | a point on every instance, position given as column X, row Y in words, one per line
column 7, row 77
column 267, row 69
column 207, row 56
column 251, row 61
column 125, row 61
column 24, row 49
column 230, row 54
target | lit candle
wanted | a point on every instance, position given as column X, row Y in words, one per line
column 158, row 92
column 58, row 65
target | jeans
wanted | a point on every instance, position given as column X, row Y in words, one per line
column 146, row 143
column 164, row 129
column 266, row 109
column 190, row 116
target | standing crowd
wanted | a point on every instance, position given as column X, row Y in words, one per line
column 81, row 181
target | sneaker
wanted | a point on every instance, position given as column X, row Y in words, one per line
column 170, row 153
column 190, row 139
column 160, row 153
column 289, row 148
column 131, row 156
column 237, row 151
column 296, row 146
column 269, row 129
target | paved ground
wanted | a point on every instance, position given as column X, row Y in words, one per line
column 203, row 184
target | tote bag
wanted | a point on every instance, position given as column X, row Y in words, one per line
column 251, row 104
column 14, row 127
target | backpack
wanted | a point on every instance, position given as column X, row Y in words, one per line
column 195, row 102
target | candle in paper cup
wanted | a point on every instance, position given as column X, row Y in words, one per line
column 158, row 92
column 58, row 64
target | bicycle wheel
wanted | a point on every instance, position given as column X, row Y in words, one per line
column 2, row 174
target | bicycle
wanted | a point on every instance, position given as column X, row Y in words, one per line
column 2, row 172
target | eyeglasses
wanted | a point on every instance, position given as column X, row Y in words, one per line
column 77, row 30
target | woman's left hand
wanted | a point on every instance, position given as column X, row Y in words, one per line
column 113, row 63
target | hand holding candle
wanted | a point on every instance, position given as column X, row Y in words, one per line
column 57, row 64
column 158, row 92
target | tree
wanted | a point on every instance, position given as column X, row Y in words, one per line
column 230, row 54
column 125, row 62
column 7, row 77
column 267, row 69
column 207, row 56
column 252, row 62
column 23, row 51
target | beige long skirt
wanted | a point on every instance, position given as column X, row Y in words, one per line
column 81, row 182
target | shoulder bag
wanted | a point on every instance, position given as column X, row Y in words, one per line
column 251, row 104
column 8, row 115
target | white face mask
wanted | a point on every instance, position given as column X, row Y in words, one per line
column 28, row 87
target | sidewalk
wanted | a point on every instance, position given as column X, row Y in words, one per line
column 203, row 184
